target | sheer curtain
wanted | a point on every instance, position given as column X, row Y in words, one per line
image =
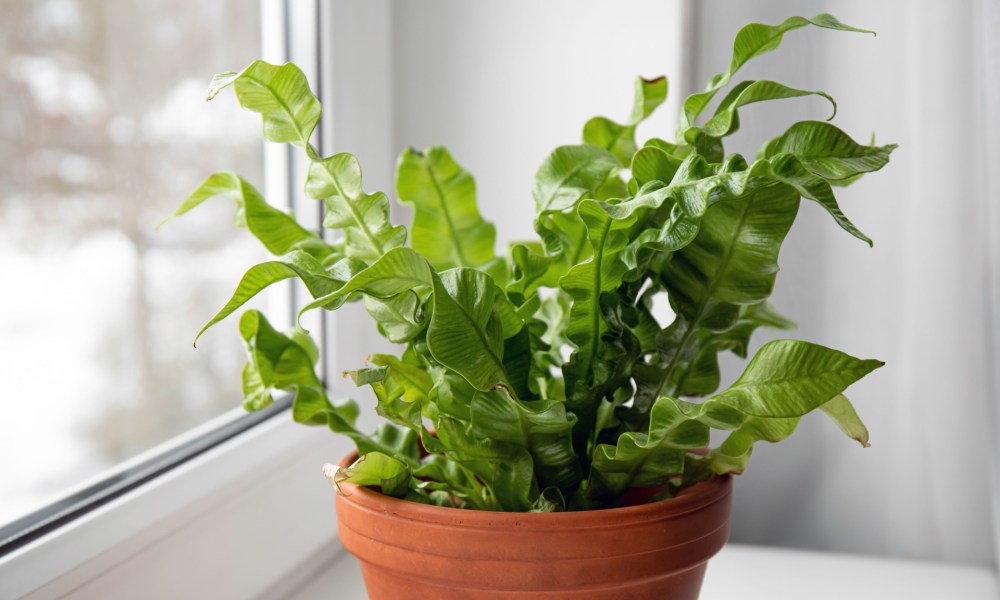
column 991, row 78
column 924, row 299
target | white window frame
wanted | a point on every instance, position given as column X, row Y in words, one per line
column 252, row 516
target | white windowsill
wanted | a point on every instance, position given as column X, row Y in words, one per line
column 241, row 520
column 758, row 573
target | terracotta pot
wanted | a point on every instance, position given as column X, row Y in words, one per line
column 655, row 551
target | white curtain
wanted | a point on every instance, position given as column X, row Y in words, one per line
column 988, row 26
column 924, row 299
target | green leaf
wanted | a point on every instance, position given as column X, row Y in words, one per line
column 368, row 376
column 278, row 231
column 447, row 227
column 610, row 227
column 733, row 454
column 812, row 155
column 789, row 170
column 364, row 218
column 788, row 378
column 726, row 118
column 398, row 271
column 466, row 334
column 644, row 459
column 622, row 348
column 451, row 395
column 280, row 94
column 731, row 262
column 532, row 269
column 569, row 174
column 402, row 390
column 617, row 138
column 438, row 472
column 550, row 500
column 312, row 407
column 843, row 414
column 654, row 164
column 374, row 468
column 518, row 362
column 700, row 376
column 698, row 184
column 294, row 264
column 752, row 41
column 586, row 281
column 413, row 382
column 505, row 468
column 274, row 361
column 542, row 427
column 677, row 151
column 827, row 152
column 290, row 112
column 399, row 318
column 649, row 95
column 398, row 442
column 219, row 82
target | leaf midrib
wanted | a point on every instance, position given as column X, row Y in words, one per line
column 414, row 384
column 726, row 76
column 479, row 334
column 692, row 328
column 404, row 277
column 342, row 290
column 287, row 109
column 336, row 184
column 595, row 317
column 350, row 206
column 648, row 449
column 562, row 182
column 456, row 243
column 811, row 375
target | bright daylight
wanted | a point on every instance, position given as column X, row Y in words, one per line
column 440, row 300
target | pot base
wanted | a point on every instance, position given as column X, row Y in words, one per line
column 384, row 584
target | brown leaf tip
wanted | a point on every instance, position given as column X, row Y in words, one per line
column 334, row 474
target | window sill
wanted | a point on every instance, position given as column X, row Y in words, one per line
column 229, row 523
column 754, row 572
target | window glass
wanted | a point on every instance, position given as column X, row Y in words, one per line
column 103, row 131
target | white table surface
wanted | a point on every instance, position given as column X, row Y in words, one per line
column 759, row 573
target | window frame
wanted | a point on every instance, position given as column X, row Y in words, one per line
column 99, row 534
column 129, row 476
column 217, row 496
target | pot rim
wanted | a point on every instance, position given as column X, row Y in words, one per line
column 696, row 497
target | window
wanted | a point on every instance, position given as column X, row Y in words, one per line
column 235, row 513
column 103, row 131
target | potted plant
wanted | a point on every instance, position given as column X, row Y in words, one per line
column 545, row 434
